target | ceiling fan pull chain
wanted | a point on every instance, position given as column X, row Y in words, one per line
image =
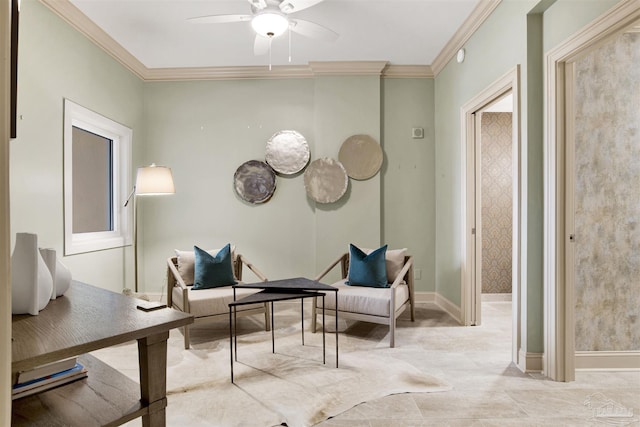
column 270, row 41
column 289, row 43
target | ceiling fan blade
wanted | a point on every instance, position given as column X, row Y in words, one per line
column 258, row 4
column 290, row 6
column 313, row 30
column 260, row 45
column 219, row 19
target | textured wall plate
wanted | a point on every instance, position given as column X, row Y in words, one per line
column 326, row 180
column 287, row 152
column 361, row 156
column 255, row 181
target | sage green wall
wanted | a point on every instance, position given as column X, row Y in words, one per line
column 495, row 49
column 204, row 131
column 408, row 174
column 510, row 36
column 344, row 106
column 56, row 62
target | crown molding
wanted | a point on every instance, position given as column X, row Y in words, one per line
column 78, row 20
column 479, row 14
column 346, row 68
column 408, row 71
column 228, row 73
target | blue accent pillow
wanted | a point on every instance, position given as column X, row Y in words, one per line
column 367, row 270
column 213, row 271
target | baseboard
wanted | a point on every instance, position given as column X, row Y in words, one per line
column 607, row 360
column 425, row 297
column 530, row 362
column 449, row 307
column 496, row 297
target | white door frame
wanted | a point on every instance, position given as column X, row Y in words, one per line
column 559, row 308
column 5, row 238
column 471, row 242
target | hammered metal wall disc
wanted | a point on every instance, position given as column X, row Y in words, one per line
column 326, row 180
column 255, row 181
column 361, row 156
column 287, row 152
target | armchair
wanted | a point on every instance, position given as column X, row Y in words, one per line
column 370, row 304
column 210, row 304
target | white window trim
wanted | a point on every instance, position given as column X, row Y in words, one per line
column 76, row 243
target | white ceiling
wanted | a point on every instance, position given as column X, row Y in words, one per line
column 157, row 33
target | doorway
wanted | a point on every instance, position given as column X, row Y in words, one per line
column 560, row 232
column 492, row 255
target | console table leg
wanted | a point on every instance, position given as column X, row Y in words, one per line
column 152, row 356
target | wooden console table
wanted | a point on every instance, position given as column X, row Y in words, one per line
column 85, row 319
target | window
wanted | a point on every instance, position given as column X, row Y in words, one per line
column 97, row 159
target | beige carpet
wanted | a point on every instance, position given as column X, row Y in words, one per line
column 289, row 387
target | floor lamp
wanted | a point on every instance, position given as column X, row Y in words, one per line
column 150, row 181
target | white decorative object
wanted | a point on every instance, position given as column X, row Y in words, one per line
column 62, row 281
column 31, row 281
column 59, row 272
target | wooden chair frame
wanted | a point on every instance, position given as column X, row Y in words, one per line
column 405, row 275
column 174, row 279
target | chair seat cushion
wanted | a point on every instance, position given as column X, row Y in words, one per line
column 364, row 300
column 214, row 301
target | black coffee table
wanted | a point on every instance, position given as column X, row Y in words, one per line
column 279, row 290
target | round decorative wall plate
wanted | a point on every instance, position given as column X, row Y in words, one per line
column 361, row 156
column 326, row 180
column 287, row 152
column 255, row 181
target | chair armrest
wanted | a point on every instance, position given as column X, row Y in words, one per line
column 342, row 258
column 177, row 279
column 401, row 275
column 252, row 267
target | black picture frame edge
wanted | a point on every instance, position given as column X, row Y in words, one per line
column 15, row 19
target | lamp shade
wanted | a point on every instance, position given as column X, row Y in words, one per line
column 270, row 24
column 153, row 180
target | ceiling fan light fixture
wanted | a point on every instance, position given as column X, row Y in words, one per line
column 270, row 23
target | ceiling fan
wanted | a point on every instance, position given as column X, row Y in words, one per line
column 270, row 19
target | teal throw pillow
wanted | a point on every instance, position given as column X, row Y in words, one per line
column 213, row 271
column 367, row 270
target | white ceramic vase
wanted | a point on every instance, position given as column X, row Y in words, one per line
column 59, row 272
column 31, row 280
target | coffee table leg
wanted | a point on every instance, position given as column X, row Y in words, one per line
column 235, row 331
column 231, row 343
column 336, row 328
column 324, row 350
column 273, row 337
column 302, row 318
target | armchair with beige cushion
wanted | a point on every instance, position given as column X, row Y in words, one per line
column 380, row 303
column 210, row 303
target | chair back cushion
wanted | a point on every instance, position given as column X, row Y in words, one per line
column 213, row 271
column 394, row 261
column 187, row 259
column 367, row 269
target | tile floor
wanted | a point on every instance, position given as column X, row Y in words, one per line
column 488, row 390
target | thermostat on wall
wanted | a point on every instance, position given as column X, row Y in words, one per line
column 417, row 133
